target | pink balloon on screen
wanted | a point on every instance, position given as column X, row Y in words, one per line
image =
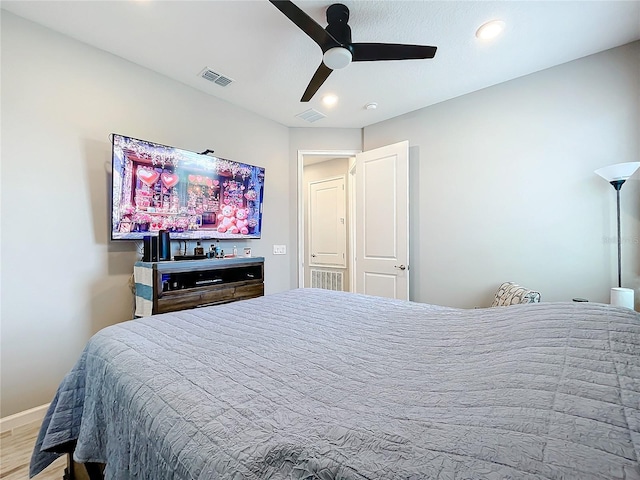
column 147, row 176
column 169, row 179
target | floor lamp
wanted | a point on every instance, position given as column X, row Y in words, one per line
column 616, row 175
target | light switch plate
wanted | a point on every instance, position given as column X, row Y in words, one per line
column 279, row 249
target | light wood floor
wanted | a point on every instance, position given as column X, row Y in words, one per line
column 15, row 453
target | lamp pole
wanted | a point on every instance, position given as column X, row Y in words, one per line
column 617, row 184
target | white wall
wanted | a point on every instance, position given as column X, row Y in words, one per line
column 503, row 185
column 62, row 278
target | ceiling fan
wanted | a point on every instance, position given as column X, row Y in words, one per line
column 335, row 42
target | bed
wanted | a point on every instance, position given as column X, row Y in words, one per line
column 315, row 384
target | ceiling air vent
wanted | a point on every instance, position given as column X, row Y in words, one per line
column 311, row 115
column 214, row 77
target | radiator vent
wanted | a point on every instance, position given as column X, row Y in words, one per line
column 311, row 115
column 326, row 279
column 215, row 77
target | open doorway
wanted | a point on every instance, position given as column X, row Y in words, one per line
column 359, row 241
column 325, row 219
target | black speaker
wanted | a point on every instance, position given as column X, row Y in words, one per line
column 150, row 249
column 164, row 246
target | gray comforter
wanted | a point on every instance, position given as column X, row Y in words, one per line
column 312, row 384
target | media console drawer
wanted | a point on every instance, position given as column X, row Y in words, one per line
column 177, row 285
column 207, row 296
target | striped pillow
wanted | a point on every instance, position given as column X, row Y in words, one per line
column 510, row 293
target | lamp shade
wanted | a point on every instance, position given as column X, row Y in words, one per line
column 619, row 171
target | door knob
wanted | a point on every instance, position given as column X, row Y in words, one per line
column 401, row 267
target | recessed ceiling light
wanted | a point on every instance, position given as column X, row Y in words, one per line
column 490, row 30
column 330, row 100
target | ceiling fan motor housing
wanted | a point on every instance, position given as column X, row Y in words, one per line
column 337, row 18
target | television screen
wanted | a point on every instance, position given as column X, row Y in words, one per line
column 192, row 196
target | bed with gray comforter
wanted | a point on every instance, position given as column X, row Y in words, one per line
column 314, row 384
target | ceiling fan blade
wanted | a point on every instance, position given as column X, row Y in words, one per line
column 307, row 24
column 316, row 82
column 370, row 52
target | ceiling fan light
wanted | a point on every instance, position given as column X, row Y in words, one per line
column 336, row 58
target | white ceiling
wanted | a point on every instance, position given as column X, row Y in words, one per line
column 271, row 61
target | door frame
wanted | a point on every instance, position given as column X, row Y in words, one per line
column 351, row 208
column 301, row 156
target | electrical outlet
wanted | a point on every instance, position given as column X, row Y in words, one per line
column 279, row 249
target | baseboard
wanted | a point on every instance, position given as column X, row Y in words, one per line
column 23, row 418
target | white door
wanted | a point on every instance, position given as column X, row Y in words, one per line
column 382, row 221
column 327, row 226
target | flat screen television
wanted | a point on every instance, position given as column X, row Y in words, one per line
column 192, row 196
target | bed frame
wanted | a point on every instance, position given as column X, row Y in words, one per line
column 82, row 471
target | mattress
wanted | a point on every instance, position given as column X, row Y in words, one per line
column 315, row 384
